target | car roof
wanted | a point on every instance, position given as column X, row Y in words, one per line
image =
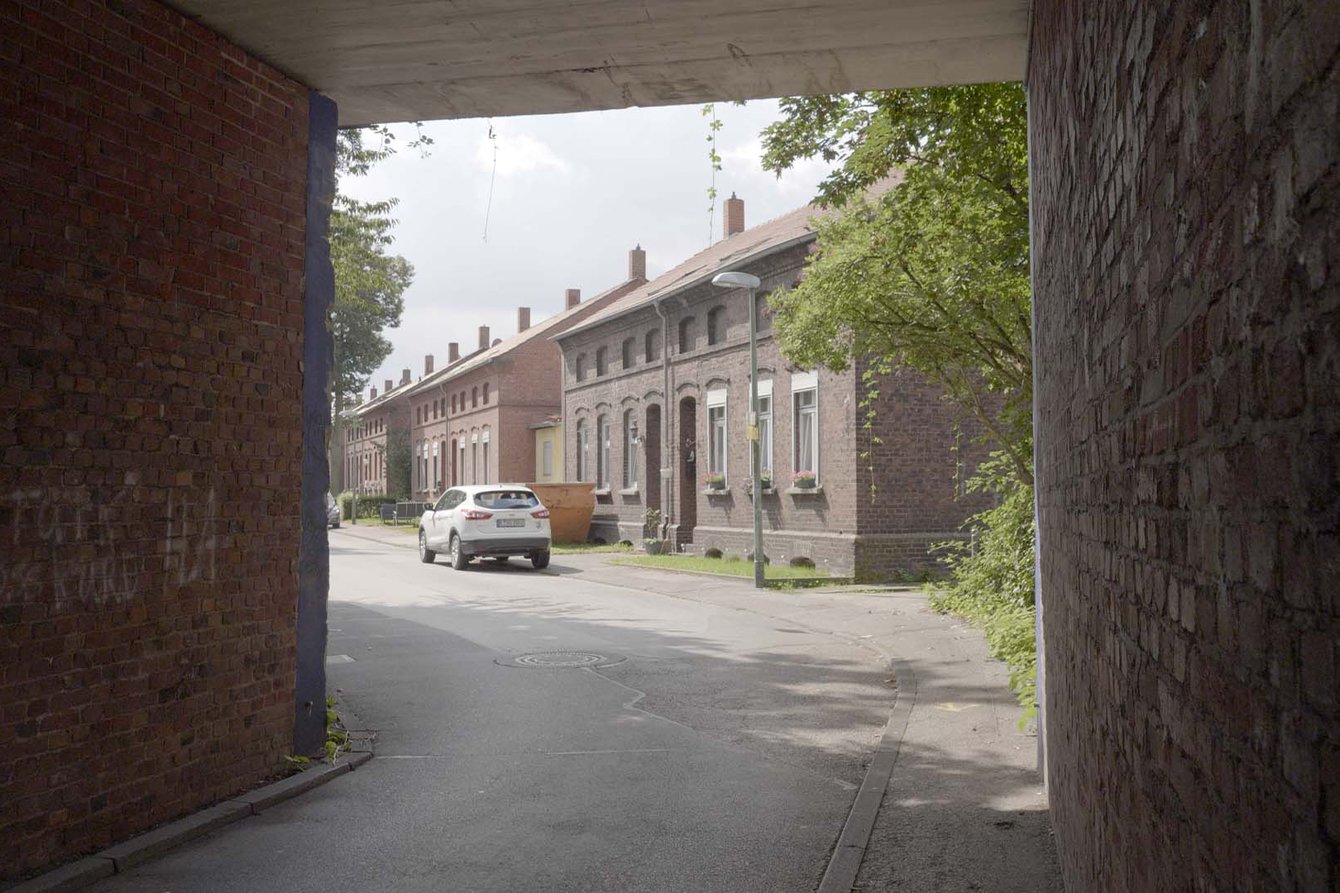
column 486, row 488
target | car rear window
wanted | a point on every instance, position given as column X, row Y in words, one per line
column 507, row 499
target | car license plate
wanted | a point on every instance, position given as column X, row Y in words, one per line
column 511, row 522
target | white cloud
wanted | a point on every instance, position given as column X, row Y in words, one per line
column 517, row 153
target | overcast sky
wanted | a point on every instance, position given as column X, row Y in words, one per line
column 572, row 195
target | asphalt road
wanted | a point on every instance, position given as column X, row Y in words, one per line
column 707, row 747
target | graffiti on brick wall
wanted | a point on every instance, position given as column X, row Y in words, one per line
column 72, row 546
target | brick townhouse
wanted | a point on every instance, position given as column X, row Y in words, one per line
column 471, row 422
column 368, row 432
column 869, row 512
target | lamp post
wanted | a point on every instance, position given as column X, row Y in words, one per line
column 737, row 279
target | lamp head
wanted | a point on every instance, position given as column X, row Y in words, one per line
column 736, row 279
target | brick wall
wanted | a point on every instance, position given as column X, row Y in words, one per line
column 150, row 421
column 1187, row 249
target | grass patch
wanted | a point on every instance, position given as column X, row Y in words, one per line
column 717, row 566
column 589, row 549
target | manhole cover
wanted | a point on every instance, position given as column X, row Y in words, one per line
column 555, row 660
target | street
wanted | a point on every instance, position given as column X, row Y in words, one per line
column 591, row 728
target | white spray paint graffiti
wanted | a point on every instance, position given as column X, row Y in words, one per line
column 89, row 547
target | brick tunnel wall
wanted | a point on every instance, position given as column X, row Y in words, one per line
column 1187, row 250
column 150, row 421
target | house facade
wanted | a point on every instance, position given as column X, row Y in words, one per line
column 371, row 427
column 656, row 412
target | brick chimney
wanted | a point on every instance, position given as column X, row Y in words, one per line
column 733, row 216
column 389, row 385
column 637, row 263
column 428, row 364
column 404, row 376
column 574, row 297
column 522, row 319
column 483, row 337
column 374, row 397
column 453, row 352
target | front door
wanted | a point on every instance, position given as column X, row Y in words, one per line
column 688, row 469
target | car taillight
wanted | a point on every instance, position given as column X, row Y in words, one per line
column 476, row 515
column 540, row 513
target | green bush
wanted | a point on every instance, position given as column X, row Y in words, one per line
column 369, row 505
column 991, row 579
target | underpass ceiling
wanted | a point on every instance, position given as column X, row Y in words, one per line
column 427, row 59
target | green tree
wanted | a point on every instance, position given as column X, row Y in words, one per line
column 369, row 281
column 932, row 273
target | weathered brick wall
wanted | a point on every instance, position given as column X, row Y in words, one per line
column 1187, row 248
column 150, row 421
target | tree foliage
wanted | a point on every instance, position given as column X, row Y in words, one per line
column 932, row 273
column 369, row 281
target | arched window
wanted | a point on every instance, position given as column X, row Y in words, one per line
column 582, row 443
column 602, row 452
column 474, row 396
column 628, row 358
column 486, row 393
column 686, row 334
column 453, row 403
column 649, row 343
column 716, row 325
column 629, row 449
column 602, row 361
column 580, row 369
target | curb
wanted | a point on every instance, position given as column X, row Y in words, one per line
column 849, row 852
column 123, row 856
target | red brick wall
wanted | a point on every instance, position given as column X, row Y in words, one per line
column 1187, row 250
column 150, row 392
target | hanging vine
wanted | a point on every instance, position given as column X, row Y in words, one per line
column 713, row 159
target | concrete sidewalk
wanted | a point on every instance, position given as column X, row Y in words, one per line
column 964, row 807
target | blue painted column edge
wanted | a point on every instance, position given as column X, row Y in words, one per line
column 309, row 732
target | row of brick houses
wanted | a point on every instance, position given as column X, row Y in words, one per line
column 656, row 403
column 582, row 396
column 473, row 420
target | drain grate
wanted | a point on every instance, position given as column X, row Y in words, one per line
column 559, row 660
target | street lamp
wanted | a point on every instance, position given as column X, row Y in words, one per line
column 735, row 279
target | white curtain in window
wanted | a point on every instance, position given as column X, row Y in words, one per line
column 807, row 431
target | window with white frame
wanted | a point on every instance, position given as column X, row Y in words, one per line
column 765, row 428
column 460, row 465
column 474, row 458
column 583, row 441
column 602, row 453
column 805, row 422
column 629, row 450
column 436, row 466
column 716, row 432
column 547, row 459
column 485, row 440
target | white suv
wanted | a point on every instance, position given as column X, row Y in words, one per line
column 486, row 520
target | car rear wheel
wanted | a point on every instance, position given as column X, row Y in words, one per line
column 540, row 560
column 426, row 555
column 459, row 560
